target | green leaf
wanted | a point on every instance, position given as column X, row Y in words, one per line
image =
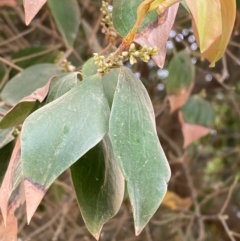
column 61, row 85
column 5, row 155
column 2, row 71
column 89, row 68
column 5, row 135
column 125, row 15
column 99, row 185
column 181, row 73
column 58, row 134
column 67, row 17
column 27, row 82
column 198, row 111
column 137, row 148
column 109, row 80
column 29, row 61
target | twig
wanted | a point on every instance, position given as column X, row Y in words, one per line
column 233, row 57
column 228, row 196
column 5, row 61
column 172, row 143
column 201, row 234
column 228, row 231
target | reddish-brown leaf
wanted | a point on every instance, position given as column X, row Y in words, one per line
column 177, row 100
column 191, row 132
column 31, row 8
column 9, row 229
column 9, row 182
column 157, row 34
column 9, row 3
column 34, row 194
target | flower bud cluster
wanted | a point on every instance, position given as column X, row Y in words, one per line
column 107, row 18
column 104, row 66
column 65, row 65
column 107, row 23
column 143, row 53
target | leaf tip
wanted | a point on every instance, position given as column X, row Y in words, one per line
column 138, row 230
column 34, row 193
column 96, row 235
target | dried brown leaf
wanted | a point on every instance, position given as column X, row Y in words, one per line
column 157, row 34
column 176, row 101
column 31, row 8
column 191, row 132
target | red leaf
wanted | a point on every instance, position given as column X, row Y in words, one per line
column 157, row 34
column 176, row 101
column 8, row 185
column 9, row 3
column 9, row 232
column 31, row 8
column 34, row 194
column 191, row 132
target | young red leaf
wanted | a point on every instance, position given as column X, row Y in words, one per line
column 176, row 101
column 11, row 180
column 196, row 118
column 31, row 8
column 9, row 229
column 157, row 34
column 9, row 3
column 191, row 132
column 9, row 232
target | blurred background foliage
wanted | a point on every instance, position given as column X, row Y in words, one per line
column 204, row 184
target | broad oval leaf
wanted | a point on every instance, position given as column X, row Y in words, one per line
column 24, row 108
column 58, row 134
column 125, row 15
column 181, row 73
column 109, row 80
column 61, row 85
column 180, row 79
column 206, row 14
column 55, row 88
column 198, row 111
column 99, row 185
column 137, row 148
column 27, row 82
column 67, row 17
